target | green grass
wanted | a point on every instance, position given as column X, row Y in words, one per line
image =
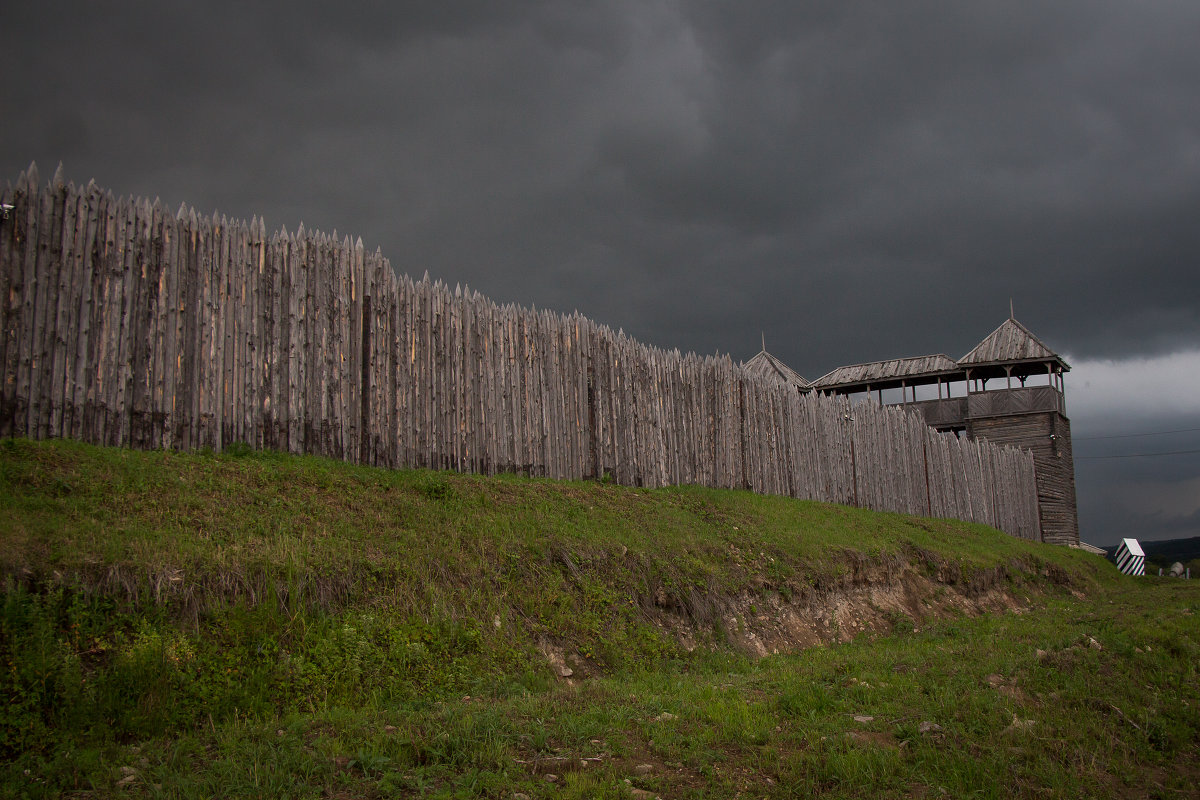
column 257, row 625
column 200, row 529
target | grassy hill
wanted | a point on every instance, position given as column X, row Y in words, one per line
column 255, row 624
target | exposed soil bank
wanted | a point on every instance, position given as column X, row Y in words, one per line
column 871, row 596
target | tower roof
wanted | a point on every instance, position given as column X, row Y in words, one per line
column 768, row 367
column 1011, row 343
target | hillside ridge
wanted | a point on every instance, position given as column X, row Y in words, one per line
column 254, row 623
column 766, row 574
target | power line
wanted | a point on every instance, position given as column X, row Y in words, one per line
column 1131, row 435
column 1143, row 455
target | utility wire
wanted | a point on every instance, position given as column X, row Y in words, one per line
column 1143, row 455
column 1131, row 435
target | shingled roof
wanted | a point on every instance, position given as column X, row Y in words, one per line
column 1011, row 342
column 1011, row 350
column 882, row 374
column 767, row 367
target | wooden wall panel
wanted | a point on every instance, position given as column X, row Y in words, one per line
column 126, row 325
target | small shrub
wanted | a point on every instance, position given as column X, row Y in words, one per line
column 436, row 488
column 370, row 763
column 238, row 450
column 806, row 701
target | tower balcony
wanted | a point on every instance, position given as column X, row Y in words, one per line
column 954, row 412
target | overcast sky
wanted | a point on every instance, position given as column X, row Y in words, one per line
column 852, row 180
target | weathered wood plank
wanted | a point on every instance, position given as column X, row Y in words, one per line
column 9, row 280
column 49, row 270
column 223, row 336
column 12, row 231
column 64, row 319
column 38, row 223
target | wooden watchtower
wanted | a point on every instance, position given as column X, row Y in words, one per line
column 1009, row 390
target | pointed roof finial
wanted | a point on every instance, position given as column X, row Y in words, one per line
column 764, row 340
column 1011, row 315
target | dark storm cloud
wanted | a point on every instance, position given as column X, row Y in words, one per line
column 855, row 181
